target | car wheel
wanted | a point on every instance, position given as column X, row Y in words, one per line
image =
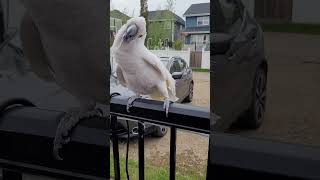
column 255, row 115
column 160, row 131
column 190, row 95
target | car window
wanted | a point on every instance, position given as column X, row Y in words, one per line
column 232, row 12
column 175, row 67
column 182, row 64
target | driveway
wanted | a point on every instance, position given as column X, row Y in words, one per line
column 293, row 102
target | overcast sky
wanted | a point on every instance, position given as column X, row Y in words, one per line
column 132, row 7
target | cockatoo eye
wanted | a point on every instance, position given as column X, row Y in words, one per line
column 140, row 36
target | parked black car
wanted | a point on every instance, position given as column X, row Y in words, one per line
column 182, row 74
column 239, row 66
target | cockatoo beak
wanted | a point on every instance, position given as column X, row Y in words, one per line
column 130, row 33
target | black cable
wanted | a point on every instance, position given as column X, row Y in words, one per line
column 127, row 153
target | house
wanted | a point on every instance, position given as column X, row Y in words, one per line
column 284, row 11
column 164, row 26
column 119, row 15
column 197, row 28
column 117, row 19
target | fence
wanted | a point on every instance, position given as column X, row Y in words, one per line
column 205, row 60
column 201, row 61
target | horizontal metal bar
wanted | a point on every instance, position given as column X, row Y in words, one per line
column 26, row 137
column 181, row 116
column 233, row 155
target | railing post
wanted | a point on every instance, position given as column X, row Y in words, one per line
column 141, row 149
column 115, row 147
column 173, row 139
column 11, row 175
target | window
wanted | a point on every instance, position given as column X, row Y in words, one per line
column 182, row 64
column 203, row 21
column 167, row 24
column 231, row 13
column 175, row 67
column 115, row 24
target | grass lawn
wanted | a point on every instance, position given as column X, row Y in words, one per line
column 153, row 172
column 200, row 70
column 293, row 28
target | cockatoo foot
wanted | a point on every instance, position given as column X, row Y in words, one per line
column 67, row 123
column 131, row 100
column 166, row 105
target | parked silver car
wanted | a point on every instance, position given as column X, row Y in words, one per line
column 180, row 71
column 240, row 66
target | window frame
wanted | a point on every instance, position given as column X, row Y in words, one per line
column 168, row 24
column 203, row 19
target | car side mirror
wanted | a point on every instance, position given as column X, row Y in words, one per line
column 221, row 43
column 177, row 75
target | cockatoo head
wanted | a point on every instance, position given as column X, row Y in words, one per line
column 136, row 30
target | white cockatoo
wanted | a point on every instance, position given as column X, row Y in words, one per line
column 138, row 69
column 65, row 42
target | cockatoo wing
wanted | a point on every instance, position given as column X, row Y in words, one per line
column 155, row 62
column 165, row 75
column 34, row 51
column 120, row 76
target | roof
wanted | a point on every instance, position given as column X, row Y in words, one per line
column 201, row 8
column 119, row 15
column 160, row 14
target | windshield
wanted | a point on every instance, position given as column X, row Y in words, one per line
column 165, row 60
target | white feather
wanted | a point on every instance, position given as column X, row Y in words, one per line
column 142, row 71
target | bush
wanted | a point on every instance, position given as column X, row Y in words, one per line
column 178, row 45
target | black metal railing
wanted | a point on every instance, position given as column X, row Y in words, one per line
column 27, row 133
column 186, row 117
column 26, row 143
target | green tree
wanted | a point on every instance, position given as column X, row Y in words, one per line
column 163, row 25
column 144, row 12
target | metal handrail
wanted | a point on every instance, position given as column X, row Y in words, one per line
column 186, row 117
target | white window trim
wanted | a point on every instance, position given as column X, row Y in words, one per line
column 192, row 15
column 203, row 19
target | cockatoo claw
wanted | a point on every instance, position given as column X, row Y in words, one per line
column 67, row 123
column 166, row 106
column 131, row 100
